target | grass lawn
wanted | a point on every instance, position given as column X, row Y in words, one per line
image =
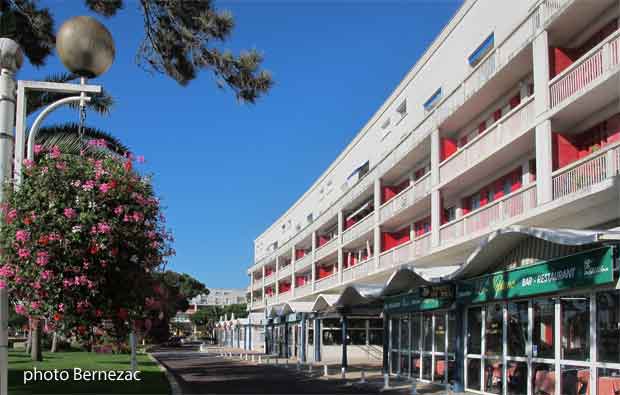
column 153, row 382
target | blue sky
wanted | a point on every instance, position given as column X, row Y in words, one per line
column 225, row 171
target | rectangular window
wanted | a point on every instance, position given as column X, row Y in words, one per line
column 402, row 108
column 517, row 328
column 478, row 54
column 474, row 332
column 440, row 333
column 404, row 335
column 608, row 326
column 493, row 330
column 575, row 319
column 450, row 214
column 433, row 100
column 415, row 333
column 475, row 202
column 427, row 332
column 544, row 327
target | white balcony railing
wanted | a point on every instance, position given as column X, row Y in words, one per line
column 491, row 215
column 257, row 303
column 514, row 124
column 258, row 284
column 285, row 271
column 599, row 61
column 422, row 245
column 359, row 270
column 303, row 290
column 270, row 278
column 326, row 249
column 326, row 282
column 396, row 256
column 269, row 300
column 359, row 229
column 406, row 198
column 303, row 262
column 586, row 172
column 284, row 296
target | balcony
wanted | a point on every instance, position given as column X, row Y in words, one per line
column 258, row 284
column 503, row 132
column 285, row 271
column 490, row 216
column 270, row 278
column 407, row 198
column 598, row 64
column 422, row 245
column 257, row 303
column 586, row 172
column 284, row 296
column 396, row 256
column 270, row 300
column 359, row 270
column 326, row 282
column 326, row 249
column 303, row 290
column 359, row 229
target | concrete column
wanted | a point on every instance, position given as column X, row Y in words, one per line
column 302, row 342
column 340, row 230
column 435, row 216
column 277, row 277
column 313, row 260
column 293, row 272
column 544, row 164
column 386, row 344
column 286, row 339
column 344, row 362
column 435, row 150
column 251, row 290
column 541, row 72
column 459, row 380
column 263, row 286
column 377, row 228
column 525, row 172
column 317, row 340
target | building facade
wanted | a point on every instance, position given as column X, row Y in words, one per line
column 220, row 297
column 508, row 124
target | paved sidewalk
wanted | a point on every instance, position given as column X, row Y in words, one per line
column 210, row 373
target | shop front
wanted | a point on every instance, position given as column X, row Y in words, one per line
column 284, row 335
column 548, row 328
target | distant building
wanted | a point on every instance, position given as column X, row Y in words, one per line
column 219, row 297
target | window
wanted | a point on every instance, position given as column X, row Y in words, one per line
column 608, row 326
column 475, row 201
column 450, row 214
column 575, row 319
column 432, row 101
column 493, row 330
column 440, row 333
column 478, row 54
column 474, row 331
column 544, row 326
column 310, row 218
column 517, row 328
column 402, row 108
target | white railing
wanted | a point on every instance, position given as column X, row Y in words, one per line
column 594, row 64
column 303, row 262
column 284, row 296
column 270, row 300
column 356, row 271
column 303, row 290
column 258, row 303
column 270, row 278
column 359, row 229
column 406, row 198
column 514, row 124
column 327, row 282
column 326, row 249
column 586, row 172
column 422, row 245
column 491, row 215
column 257, row 284
column 285, row 271
column 481, row 74
column 396, row 256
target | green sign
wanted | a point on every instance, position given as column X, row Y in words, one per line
column 594, row 267
column 293, row 317
column 421, row 299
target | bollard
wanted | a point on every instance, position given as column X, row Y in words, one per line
column 386, row 382
column 363, row 377
column 260, row 359
column 310, row 368
column 252, row 357
column 414, row 387
column 324, row 370
column 343, row 372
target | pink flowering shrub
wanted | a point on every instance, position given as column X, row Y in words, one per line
column 81, row 239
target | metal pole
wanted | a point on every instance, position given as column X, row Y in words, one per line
column 7, row 122
column 132, row 343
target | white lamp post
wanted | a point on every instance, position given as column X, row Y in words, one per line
column 86, row 48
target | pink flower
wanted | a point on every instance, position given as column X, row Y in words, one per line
column 6, row 271
column 36, row 285
column 23, row 253
column 35, row 305
column 20, row 309
column 28, row 163
column 42, row 258
column 88, row 185
column 11, row 215
column 61, row 165
column 61, row 307
column 22, row 235
column 46, row 275
column 118, row 210
column 55, row 152
column 70, row 213
column 2, row 284
column 103, row 228
column 38, row 148
column 104, row 188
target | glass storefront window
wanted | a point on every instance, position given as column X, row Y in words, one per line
column 310, row 337
column 375, row 337
column 415, row 332
column 608, row 382
column 395, row 331
column 544, row 327
column 516, row 377
column 452, row 335
column 356, row 337
column 427, row 332
column 517, row 328
column 575, row 319
column 404, row 335
column 493, row 376
column 332, row 337
column 575, row 380
column 474, row 332
column 394, row 362
column 415, row 364
column 543, row 378
column 440, row 332
column 608, row 326
column 493, row 330
column 427, row 365
column 404, row 364
column 440, row 368
column 473, row 374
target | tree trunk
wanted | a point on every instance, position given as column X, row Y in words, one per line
column 54, row 342
column 35, row 352
column 29, row 339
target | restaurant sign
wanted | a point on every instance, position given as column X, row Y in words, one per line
column 421, row 299
column 590, row 268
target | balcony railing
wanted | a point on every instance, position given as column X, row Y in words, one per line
column 406, row 198
column 269, row 300
column 359, row 228
column 491, row 215
column 303, row 262
column 270, row 278
column 303, row 290
column 326, row 249
column 396, row 256
column 284, row 296
column 422, row 245
column 258, row 284
column 257, row 303
column 586, row 172
column 359, row 270
column 599, row 61
column 285, row 271
column 514, row 124
column 326, row 282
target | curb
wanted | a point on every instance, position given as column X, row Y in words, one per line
column 175, row 387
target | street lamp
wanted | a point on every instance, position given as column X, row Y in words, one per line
column 86, row 48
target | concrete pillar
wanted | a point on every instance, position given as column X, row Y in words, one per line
column 344, row 362
column 293, row 272
column 435, row 150
column 313, row 260
column 303, row 341
column 435, row 216
column 540, row 48
column 340, row 230
column 386, row 344
column 286, row 340
column 277, row 282
column 544, row 164
column 461, row 336
column 317, row 340
column 377, row 227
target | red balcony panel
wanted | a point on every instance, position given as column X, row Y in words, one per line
column 560, row 59
column 422, row 226
column 326, row 270
column 350, row 222
column 300, row 253
column 389, row 191
column 448, row 147
column 284, row 287
column 322, row 240
column 301, row 280
column 269, row 271
column 390, row 240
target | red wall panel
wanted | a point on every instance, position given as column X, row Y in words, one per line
column 390, row 240
column 564, row 151
column 300, row 253
column 448, row 147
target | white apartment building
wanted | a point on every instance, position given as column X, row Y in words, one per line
column 510, row 118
